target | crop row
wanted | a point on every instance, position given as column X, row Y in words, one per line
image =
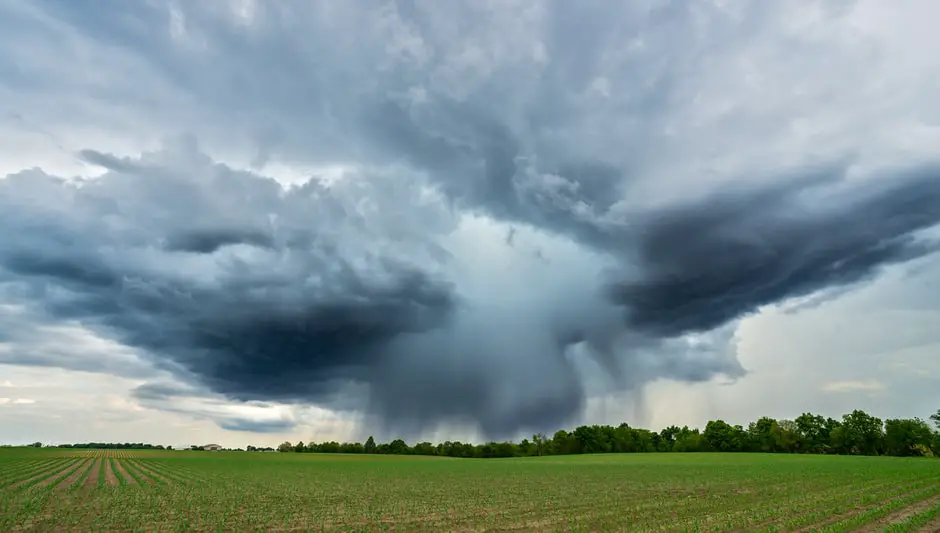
column 286, row 492
column 96, row 471
column 12, row 470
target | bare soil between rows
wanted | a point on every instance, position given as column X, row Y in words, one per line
column 65, row 472
column 900, row 515
column 76, row 474
column 848, row 513
column 122, row 471
column 931, row 527
column 92, row 480
column 144, row 476
column 110, row 479
column 143, row 470
column 42, row 474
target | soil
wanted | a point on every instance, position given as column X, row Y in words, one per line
column 150, row 473
column 124, row 473
column 92, row 480
column 30, row 479
column 74, row 476
column 70, row 469
column 143, row 475
column 901, row 515
column 931, row 527
column 109, row 478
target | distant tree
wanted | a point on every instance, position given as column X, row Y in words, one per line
column 813, row 436
column 398, row 447
column 723, row 437
column 563, row 443
column 862, row 434
column 424, row 448
column 589, row 439
column 526, row 448
column 539, row 441
column 908, row 437
column 760, row 435
column 690, row 440
column 329, row 447
column 667, row 438
column 36, row 445
column 936, row 419
column 351, row 447
column 857, row 433
column 786, row 436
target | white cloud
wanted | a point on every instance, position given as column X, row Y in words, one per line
column 869, row 385
column 16, row 401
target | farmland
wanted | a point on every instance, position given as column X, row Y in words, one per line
column 123, row 490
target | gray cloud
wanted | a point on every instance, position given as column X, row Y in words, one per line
column 254, row 417
column 252, row 426
column 302, row 312
column 343, row 293
column 599, row 133
column 706, row 263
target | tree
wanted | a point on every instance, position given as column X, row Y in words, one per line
column 690, row 440
column 786, row 436
column 285, row 446
column 299, row 447
column 723, row 437
column 936, row 419
column 862, row 434
column 813, row 433
column 908, row 437
column 539, row 440
column 667, row 438
column 370, row 445
column 398, row 447
column 760, row 435
column 424, row 448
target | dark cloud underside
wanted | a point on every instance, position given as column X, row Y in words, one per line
column 601, row 131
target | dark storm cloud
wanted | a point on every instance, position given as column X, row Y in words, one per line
column 351, row 288
column 285, row 320
column 706, row 263
column 550, row 119
column 208, row 241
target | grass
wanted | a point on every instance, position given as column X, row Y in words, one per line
column 218, row 491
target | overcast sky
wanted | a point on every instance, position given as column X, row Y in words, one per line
column 246, row 222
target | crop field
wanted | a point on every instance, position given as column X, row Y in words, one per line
column 72, row 490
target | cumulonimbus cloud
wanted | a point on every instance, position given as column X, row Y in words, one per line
column 588, row 132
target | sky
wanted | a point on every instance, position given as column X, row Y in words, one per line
column 245, row 222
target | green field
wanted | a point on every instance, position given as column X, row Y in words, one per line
column 58, row 490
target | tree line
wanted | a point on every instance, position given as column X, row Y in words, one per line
column 113, row 446
column 856, row 433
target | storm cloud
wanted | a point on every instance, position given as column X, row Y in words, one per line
column 706, row 263
column 495, row 213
